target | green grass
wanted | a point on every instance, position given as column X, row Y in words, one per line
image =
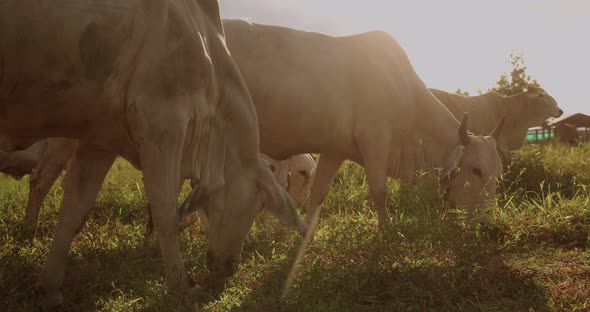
column 533, row 256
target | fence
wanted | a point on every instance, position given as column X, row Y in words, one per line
column 541, row 135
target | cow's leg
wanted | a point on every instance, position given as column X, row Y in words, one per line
column 326, row 171
column 376, row 170
column 81, row 185
column 160, row 161
column 150, row 224
column 53, row 162
column 201, row 213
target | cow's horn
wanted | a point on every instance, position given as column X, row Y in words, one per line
column 463, row 135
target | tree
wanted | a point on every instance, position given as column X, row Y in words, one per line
column 518, row 80
column 461, row 92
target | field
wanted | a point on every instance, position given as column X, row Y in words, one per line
column 533, row 254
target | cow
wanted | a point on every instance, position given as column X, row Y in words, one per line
column 294, row 174
column 358, row 97
column 301, row 172
column 567, row 133
column 523, row 111
column 153, row 82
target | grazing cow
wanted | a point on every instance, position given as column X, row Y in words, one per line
column 567, row 133
column 523, row 111
column 280, row 170
column 294, row 174
column 301, row 171
column 151, row 81
column 357, row 98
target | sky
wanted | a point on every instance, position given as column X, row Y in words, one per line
column 457, row 43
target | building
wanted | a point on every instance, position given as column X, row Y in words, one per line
column 579, row 122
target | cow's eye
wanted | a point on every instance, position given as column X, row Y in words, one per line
column 477, row 172
column 302, row 173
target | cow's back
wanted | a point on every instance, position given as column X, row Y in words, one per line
column 82, row 62
column 311, row 91
column 484, row 110
column 65, row 49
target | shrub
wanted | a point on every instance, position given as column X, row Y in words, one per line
column 548, row 169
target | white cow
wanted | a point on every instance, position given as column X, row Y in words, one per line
column 151, row 81
column 523, row 111
column 294, row 174
column 357, row 98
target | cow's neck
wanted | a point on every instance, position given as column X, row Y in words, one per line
column 515, row 128
column 495, row 108
column 428, row 146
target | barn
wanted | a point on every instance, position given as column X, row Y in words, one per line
column 568, row 128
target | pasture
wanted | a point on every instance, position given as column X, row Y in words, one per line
column 532, row 256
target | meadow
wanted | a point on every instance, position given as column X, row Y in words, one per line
column 532, row 254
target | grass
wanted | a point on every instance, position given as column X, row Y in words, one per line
column 534, row 256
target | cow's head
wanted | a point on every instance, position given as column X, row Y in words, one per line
column 470, row 175
column 301, row 169
column 293, row 174
column 242, row 184
column 539, row 105
column 239, row 202
column 279, row 168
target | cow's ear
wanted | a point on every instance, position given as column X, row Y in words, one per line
column 197, row 200
column 277, row 201
column 450, row 166
column 444, row 184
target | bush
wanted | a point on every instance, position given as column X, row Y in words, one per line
column 547, row 169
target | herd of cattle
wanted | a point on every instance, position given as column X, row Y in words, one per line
column 182, row 95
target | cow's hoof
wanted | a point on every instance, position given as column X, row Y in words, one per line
column 195, row 290
column 59, row 308
column 28, row 231
column 185, row 285
column 52, row 301
column 198, row 293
